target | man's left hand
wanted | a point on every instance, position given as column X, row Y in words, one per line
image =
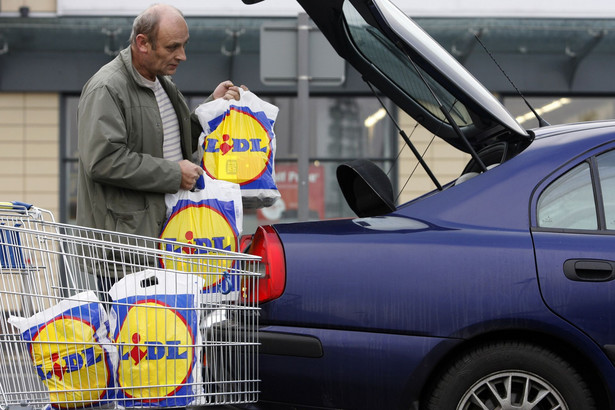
column 228, row 91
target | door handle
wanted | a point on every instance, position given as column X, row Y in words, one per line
column 589, row 270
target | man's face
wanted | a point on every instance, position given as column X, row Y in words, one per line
column 170, row 47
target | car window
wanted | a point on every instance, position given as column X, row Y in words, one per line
column 606, row 170
column 396, row 65
column 568, row 203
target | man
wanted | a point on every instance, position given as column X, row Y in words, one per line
column 136, row 134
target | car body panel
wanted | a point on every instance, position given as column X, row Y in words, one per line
column 396, row 263
column 582, row 303
column 355, row 370
column 368, row 370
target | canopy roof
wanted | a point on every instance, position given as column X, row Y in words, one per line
column 540, row 55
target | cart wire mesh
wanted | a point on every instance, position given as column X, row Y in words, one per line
column 93, row 318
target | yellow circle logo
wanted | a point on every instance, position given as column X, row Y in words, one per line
column 156, row 348
column 72, row 366
column 239, row 148
column 201, row 224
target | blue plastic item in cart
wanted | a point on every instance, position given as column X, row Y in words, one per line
column 155, row 326
column 70, row 350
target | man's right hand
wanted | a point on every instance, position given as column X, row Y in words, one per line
column 190, row 174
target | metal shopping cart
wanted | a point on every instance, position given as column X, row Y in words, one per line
column 92, row 318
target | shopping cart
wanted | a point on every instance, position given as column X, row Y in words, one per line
column 93, row 318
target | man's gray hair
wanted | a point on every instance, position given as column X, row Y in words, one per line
column 147, row 23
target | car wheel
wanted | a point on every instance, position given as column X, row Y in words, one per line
column 509, row 375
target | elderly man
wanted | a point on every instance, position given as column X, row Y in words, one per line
column 136, row 133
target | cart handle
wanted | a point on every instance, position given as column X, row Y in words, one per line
column 15, row 205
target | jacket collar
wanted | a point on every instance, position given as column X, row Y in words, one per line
column 126, row 56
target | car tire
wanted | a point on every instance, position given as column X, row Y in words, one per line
column 496, row 376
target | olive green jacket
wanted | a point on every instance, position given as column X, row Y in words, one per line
column 122, row 175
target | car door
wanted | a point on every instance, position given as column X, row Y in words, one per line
column 573, row 219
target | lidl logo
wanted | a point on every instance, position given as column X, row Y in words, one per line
column 156, row 351
column 207, row 223
column 239, row 148
column 143, row 350
column 74, row 369
column 73, row 362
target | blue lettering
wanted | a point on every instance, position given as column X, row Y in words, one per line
column 155, row 351
column 123, row 356
column 42, row 374
column 203, row 242
column 219, row 243
column 169, row 247
column 74, row 362
column 90, row 356
column 211, row 145
column 240, row 145
column 215, row 242
column 256, row 146
column 173, row 353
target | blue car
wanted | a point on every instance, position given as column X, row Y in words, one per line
column 494, row 291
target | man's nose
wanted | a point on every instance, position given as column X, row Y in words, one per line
column 181, row 54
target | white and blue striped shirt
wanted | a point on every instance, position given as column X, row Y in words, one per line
column 171, row 146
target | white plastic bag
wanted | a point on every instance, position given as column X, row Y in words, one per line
column 238, row 145
column 70, row 348
column 211, row 217
column 155, row 324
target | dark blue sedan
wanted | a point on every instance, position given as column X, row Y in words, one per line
column 494, row 291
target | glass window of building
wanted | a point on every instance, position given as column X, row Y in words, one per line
column 341, row 129
column 560, row 110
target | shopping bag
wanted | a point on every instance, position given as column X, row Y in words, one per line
column 238, row 145
column 155, row 324
column 211, row 217
column 70, row 348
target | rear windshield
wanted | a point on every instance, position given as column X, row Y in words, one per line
column 395, row 64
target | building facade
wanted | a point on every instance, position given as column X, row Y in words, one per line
column 561, row 61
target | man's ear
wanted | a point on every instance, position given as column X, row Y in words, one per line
column 141, row 41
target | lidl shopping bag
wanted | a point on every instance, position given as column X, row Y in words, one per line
column 238, row 145
column 155, row 324
column 70, row 348
column 211, row 217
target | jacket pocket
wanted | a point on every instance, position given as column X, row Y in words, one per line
column 127, row 212
column 128, row 222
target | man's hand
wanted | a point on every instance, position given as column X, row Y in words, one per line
column 228, row 91
column 190, row 173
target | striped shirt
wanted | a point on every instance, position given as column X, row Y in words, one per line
column 171, row 146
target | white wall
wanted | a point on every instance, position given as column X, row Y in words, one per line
column 438, row 8
column 188, row 7
column 509, row 8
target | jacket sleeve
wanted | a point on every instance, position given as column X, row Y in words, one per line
column 197, row 128
column 114, row 155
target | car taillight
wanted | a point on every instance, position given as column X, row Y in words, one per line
column 267, row 245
